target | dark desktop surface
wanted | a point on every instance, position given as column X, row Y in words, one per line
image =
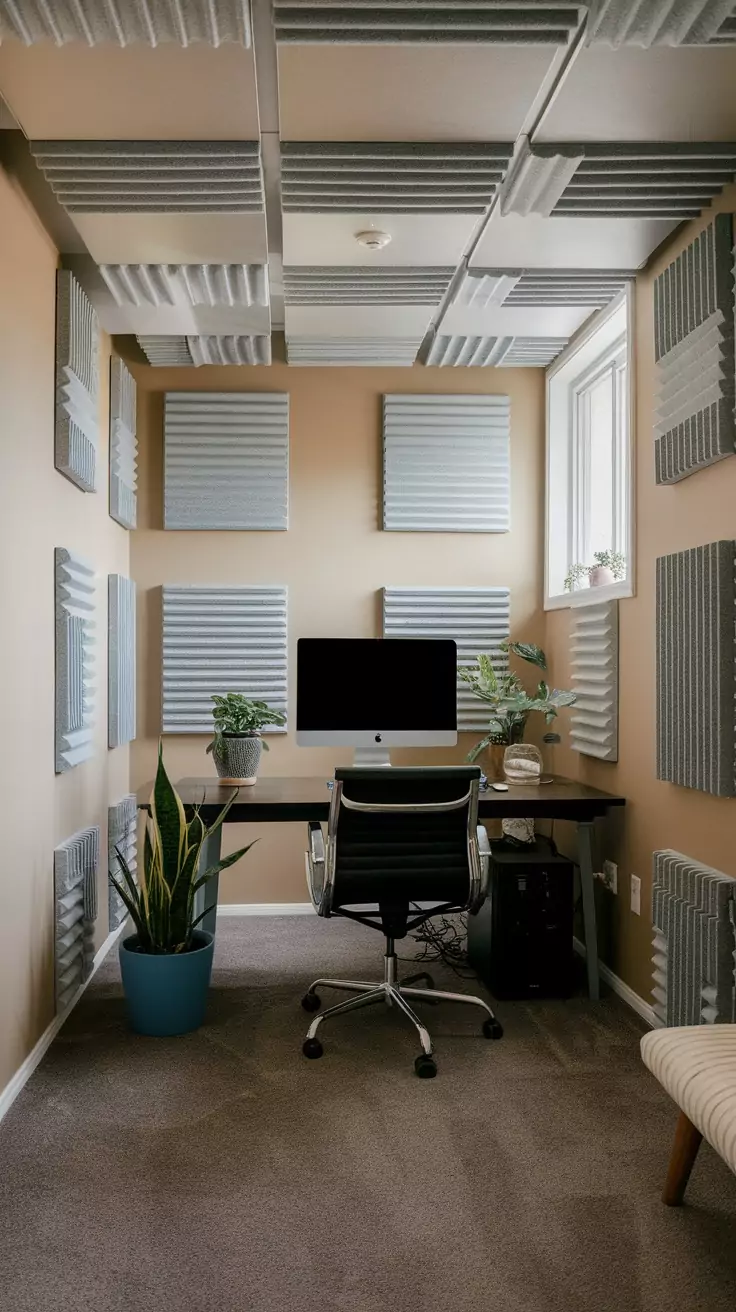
column 305, row 797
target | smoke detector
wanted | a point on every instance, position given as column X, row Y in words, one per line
column 373, row 239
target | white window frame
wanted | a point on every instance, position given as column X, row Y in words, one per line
column 568, row 379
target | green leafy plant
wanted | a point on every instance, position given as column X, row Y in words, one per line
column 161, row 906
column 508, row 702
column 613, row 560
column 240, row 717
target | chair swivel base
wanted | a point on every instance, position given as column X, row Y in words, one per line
column 393, row 993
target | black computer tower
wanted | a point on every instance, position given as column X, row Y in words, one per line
column 520, row 942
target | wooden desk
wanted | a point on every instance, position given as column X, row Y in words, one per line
column 308, row 798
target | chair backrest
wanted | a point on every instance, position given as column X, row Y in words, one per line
column 401, row 836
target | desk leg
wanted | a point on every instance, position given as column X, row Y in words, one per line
column 207, row 896
column 585, row 854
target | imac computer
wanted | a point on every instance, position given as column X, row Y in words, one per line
column 376, row 693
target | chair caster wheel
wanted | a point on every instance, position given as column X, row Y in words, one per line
column 311, row 1002
column 425, row 1067
column 493, row 1029
column 312, row 1048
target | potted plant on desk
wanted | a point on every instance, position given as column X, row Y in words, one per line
column 509, row 704
column 166, row 964
column 237, row 745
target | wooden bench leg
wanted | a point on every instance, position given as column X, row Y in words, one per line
column 682, row 1159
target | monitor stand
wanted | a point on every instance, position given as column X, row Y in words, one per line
column 370, row 756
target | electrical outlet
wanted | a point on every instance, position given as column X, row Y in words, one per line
column 610, row 876
column 636, row 895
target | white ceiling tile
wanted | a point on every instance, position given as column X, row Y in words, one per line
column 174, row 238
column 133, row 94
column 533, row 242
column 421, row 240
column 358, row 320
column 126, row 22
column 646, row 95
column 408, row 93
column 514, row 321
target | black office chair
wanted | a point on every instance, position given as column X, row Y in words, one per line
column 402, row 845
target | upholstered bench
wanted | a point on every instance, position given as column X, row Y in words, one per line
column 696, row 1064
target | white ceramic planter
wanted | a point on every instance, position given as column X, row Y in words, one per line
column 601, row 575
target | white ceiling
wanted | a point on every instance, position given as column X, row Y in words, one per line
column 84, row 74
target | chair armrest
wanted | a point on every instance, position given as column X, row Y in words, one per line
column 319, row 881
column 484, row 853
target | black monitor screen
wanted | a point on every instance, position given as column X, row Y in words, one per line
column 369, row 683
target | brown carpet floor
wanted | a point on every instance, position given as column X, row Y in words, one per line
column 222, row 1171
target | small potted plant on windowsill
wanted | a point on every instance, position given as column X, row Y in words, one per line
column 166, row 964
column 237, row 745
column 609, row 567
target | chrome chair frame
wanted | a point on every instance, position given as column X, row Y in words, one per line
column 321, row 859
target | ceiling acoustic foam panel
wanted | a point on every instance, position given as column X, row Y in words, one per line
column 394, row 22
column 214, row 285
column 446, row 464
column 351, row 350
column 476, row 618
column 648, row 180
column 165, row 352
column 126, row 22
column 482, row 288
column 226, row 460
column 123, row 445
column 77, row 384
column 177, row 177
column 219, row 640
column 75, row 912
column 361, row 285
column 508, row 352
column 694, row 350
column 696, row 668
column 618, row 23
column 75, row 659
column 391, row 177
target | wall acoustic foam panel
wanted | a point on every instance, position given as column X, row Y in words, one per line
column 696, row 668
column 226, row 460
column 75, row 684
column 693, row 956
column 77, row 383
column 477, row 619
column 120, row 660
column 594, row 680
column 123, row 445
column 75, row 893
column 122, row 834
column 126, row 22
column 694, row 350
column 219, row 640
column 446, row 464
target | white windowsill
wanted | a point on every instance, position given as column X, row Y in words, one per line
column 590, row 596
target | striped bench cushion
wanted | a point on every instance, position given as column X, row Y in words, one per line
column 696, row 1064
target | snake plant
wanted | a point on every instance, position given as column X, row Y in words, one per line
column 162, row 904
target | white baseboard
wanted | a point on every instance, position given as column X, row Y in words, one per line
column 627, row 995
column 264, row 909
column 24, row 1072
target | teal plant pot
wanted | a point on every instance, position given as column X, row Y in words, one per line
column 167, row 994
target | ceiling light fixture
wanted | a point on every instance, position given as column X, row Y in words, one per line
column 373, row 239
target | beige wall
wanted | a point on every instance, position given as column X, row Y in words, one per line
column 700, row 509
column 40, row 510
column 333, row 559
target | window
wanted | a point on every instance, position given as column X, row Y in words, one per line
column 588, row 463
